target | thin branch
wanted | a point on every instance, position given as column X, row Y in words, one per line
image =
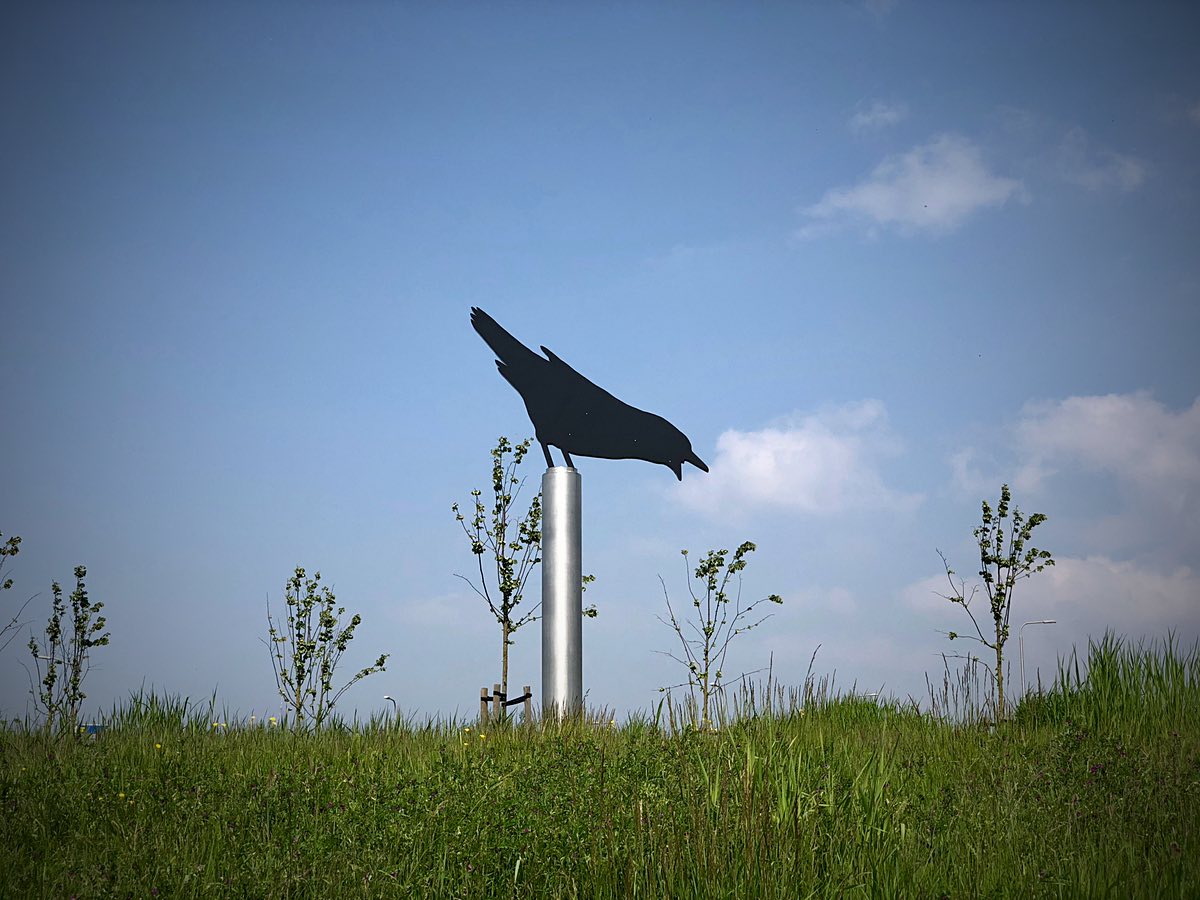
column 485, row 597
column 974, row 660
column 959, row 598
column 15, row 624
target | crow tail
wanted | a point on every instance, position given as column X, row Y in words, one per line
column 506, row 347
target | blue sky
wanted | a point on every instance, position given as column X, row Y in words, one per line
column 874, row 259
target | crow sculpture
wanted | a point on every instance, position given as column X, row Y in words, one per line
column 579, row 417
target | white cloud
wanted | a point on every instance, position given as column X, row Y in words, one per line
column 822, row 463
column 879, row 114
column 1129, row 435
column 934, row 187
column 1097, row 169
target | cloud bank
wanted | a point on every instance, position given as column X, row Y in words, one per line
column 1132, row 436
column 1150, row 452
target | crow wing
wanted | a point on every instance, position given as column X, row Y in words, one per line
column 595, row 398
column 593, row 422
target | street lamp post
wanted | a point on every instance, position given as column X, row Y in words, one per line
column 1021, row 645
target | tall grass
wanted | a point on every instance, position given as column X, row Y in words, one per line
column 1087, row 791
column 1134, row 687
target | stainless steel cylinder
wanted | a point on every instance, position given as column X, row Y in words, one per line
column 562, row 592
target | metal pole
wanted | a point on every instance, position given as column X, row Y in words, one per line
column 1021, row 645
column 562, row 592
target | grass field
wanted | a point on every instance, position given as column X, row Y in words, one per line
column 1090, row 790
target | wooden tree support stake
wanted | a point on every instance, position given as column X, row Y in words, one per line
column 499, row 702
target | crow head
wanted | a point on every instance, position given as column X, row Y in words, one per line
column 672, row 449
column 676, row 465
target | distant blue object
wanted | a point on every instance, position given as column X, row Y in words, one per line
column 93, row 730
column 577, row 416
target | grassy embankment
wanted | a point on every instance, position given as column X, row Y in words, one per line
column 1091, row 790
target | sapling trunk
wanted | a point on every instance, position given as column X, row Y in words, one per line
column 999, row 681
column 504, row 658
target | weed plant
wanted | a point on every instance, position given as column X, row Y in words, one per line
column 1092, row 789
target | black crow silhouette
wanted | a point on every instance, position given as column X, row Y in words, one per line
column 577, row 416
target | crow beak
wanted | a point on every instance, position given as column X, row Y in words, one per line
column 697, row 462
